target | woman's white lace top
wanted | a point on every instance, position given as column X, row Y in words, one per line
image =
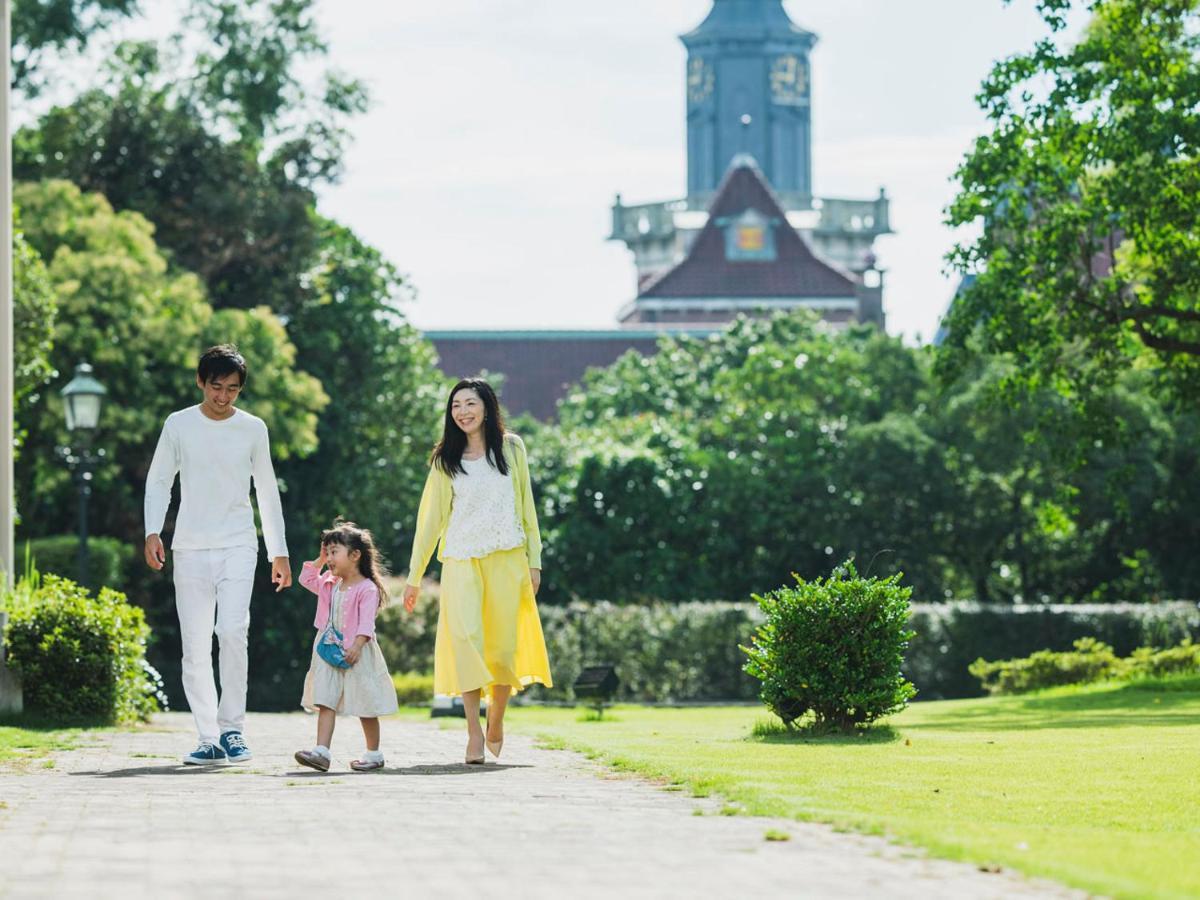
column 483, row 514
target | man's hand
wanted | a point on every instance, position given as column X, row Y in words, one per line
column 281, row 573
column 410, row 597
column 156, row 556
column 535, row 575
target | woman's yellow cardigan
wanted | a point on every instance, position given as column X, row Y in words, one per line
column 433, row 517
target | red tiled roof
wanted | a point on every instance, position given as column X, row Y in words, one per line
column 538, row 368
column 705, row 272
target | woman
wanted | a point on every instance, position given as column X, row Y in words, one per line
column 478, row 504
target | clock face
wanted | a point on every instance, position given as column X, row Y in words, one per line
column 700, row 80
column 789, row 80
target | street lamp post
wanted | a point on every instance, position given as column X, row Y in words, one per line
column 82, row 399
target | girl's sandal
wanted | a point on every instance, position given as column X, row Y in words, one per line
column 312, row 760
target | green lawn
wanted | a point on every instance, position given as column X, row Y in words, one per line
column 21, row 744
column 1096, row 787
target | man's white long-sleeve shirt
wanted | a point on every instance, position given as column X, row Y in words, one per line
column 215, row 460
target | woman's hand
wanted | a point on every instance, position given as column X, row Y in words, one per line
column 410, row 597
column 535, row 575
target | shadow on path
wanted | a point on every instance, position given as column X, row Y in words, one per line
column 419, row 769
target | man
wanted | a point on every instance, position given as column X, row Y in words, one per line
column 216, row 449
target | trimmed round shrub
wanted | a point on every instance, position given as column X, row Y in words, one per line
column 833, row 648
column 80, row 657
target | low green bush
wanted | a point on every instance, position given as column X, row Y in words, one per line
column 413, row 688
column 833, row 648
column 80, row 657
column 1089, row 662
column 1146, row 662
column 59, row 555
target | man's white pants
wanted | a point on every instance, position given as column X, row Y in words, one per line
column 212, row 588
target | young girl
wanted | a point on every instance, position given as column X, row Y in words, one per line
column 347, row 579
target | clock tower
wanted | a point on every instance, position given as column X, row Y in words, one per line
column 748, row 92
column 748, row 104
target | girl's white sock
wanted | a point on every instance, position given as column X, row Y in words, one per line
column 373, row 756
column 322, row 749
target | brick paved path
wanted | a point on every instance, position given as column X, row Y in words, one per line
column 120, row 818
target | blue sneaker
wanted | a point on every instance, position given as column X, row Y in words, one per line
column 205, row 755
column 235, row 747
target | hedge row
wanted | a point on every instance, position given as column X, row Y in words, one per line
column 952, row 636
column 681, row 652
column 59, row 555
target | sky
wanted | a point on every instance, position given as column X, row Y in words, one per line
column 501, row 130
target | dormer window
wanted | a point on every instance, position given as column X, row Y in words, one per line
column 749, row 237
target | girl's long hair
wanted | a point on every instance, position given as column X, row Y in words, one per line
column 370, row 561
column 449, row 450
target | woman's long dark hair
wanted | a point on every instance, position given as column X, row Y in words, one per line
column 449, row 450
column 370, row 561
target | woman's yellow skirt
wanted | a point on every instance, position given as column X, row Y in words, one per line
column 489, row 632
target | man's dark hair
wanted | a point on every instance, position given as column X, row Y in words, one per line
column 219, row 361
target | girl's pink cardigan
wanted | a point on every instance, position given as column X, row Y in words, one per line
column 362, row 602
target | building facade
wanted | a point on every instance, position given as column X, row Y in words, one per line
column 749, row 89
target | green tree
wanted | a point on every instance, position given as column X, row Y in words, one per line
column 1088, row 191
column 140, row 324
column 34, row 313
column 45, row 29
column 219, row 137
column 718, row 467
column 386, row 391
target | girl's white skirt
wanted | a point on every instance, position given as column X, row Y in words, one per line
column 365, row 689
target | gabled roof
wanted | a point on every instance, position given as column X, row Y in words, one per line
column 795, row 270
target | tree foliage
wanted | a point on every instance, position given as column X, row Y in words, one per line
column 44, row 29
column 718, row 467
column 1088, row 190
column 34, row 313
column 140, row 324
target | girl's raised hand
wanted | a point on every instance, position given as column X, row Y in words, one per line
column 410, row 597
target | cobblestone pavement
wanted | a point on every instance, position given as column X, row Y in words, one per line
column 119, row 817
